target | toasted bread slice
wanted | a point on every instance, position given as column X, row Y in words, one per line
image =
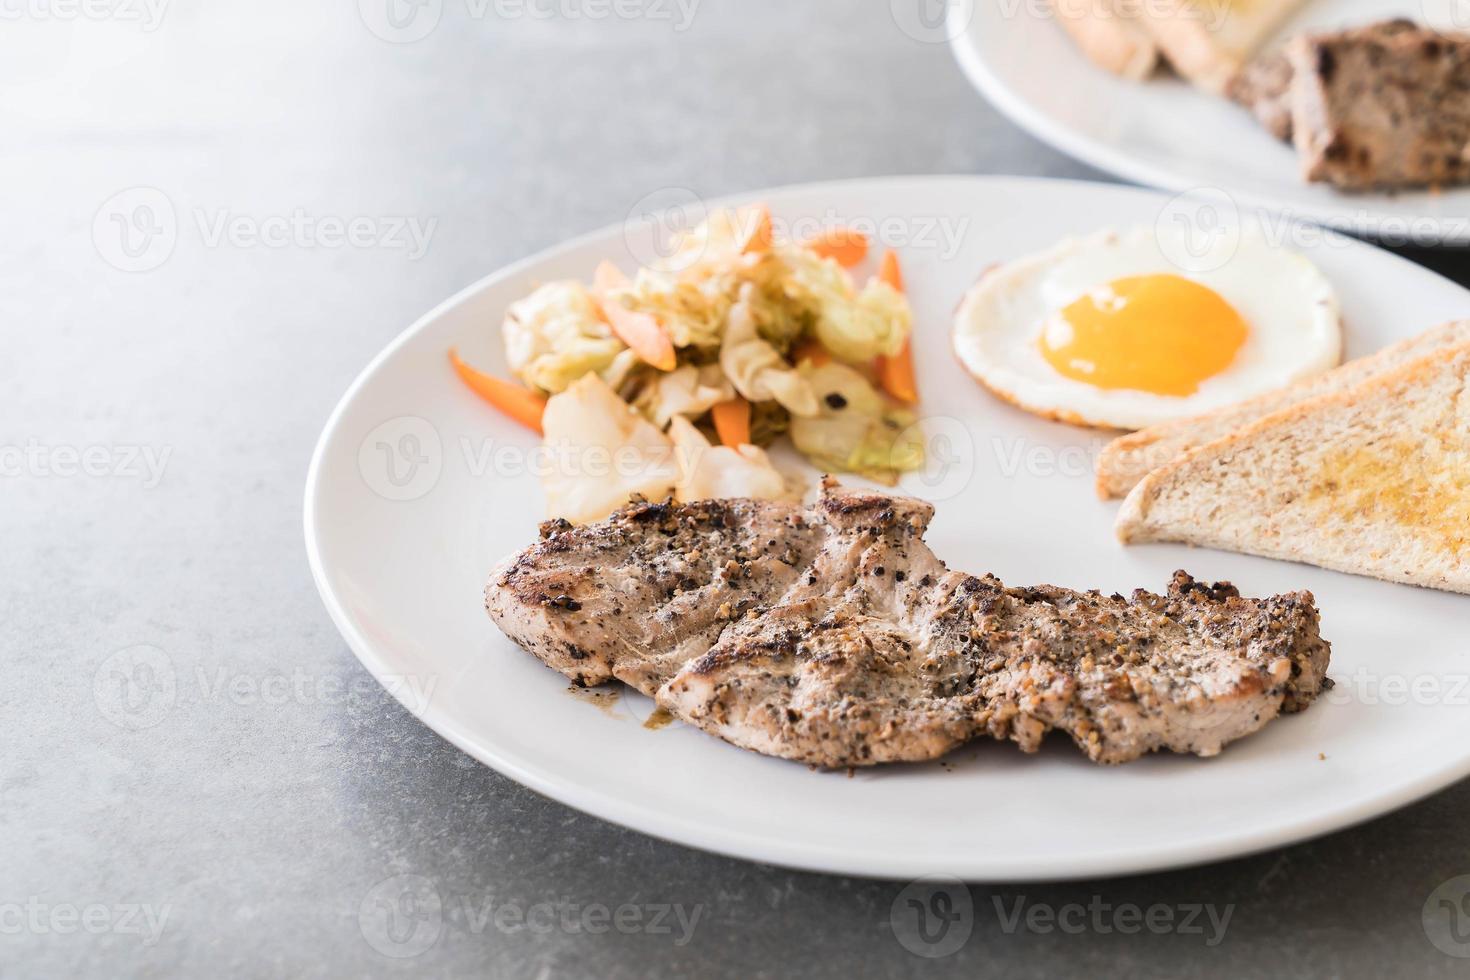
column 1112, row 39
column 1374, row 481
column 1209, row 41
column 1130, row 458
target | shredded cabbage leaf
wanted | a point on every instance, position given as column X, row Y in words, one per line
column 856, row 430
column 708, row 472
column 599, row 452
column 557, row 334
column 688, row 391
column 692, row 310
column 756, row 369
column 855, row 327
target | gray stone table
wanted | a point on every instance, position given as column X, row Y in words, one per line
column 156, row 426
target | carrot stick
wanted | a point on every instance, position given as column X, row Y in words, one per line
column 640, row 331
column 607, row 277
column 760, row 235
column 891, row 272
column 896, row 373
column 521, row 404
column 732, row 422
column 848, row 247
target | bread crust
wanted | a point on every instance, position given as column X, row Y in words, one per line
column 1112, row 41
column 1135, row 523
column 1128, row 459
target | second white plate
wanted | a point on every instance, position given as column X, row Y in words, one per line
column 1166, row 134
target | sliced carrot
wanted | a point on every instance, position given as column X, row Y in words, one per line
column 607, row 277
column 732, row 421
column 848, row 247
column 896, row 373
column 810, row 350
column 640, row 331
column 521, row 404
column 759, row 235
column 891, row 272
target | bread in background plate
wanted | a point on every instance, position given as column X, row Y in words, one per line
column 1374, row 480
column 1209, row 41
column 1111, row 38
column 1128, row 459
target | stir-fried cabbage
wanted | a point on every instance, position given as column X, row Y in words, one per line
column 599, row 452
column 856, row 431
column 693, row 311
column 709, row 472
column 855, row 327
column 707, row 247
column 756, row 369
column 798, row 293
column 688, row 391
column 734, row 319
column 557, row 334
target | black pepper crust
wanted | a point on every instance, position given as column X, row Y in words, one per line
column 833, row 636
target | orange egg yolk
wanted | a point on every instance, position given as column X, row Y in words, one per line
column 1162, row 334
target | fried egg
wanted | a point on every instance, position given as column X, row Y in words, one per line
column 1106, row 331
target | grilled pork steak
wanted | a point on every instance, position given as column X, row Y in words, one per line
column 834, row 636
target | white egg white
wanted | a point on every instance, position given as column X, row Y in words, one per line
column 1290, row 307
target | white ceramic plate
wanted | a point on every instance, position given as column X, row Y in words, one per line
column 1167, row 134
column 414, row 494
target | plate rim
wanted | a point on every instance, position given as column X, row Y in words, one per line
column 1096, row 153
column 733, row 843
